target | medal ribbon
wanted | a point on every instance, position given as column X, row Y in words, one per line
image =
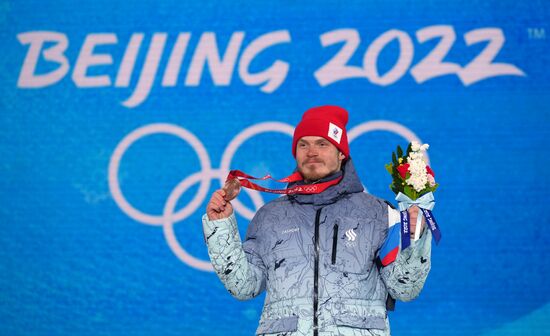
column 432, row 224
column 405, row 230
column 244, row 180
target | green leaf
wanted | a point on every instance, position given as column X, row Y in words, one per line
column 409, row 191
column 394, row 159
column 396, row 176
column 409, row 149
column 399, row 151
column 389, row 168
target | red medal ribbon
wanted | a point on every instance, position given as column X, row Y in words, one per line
column 299, row 189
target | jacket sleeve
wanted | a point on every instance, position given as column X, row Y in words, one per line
column 405, row 277
column 238, row 265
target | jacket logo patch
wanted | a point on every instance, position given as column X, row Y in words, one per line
column 351, row 235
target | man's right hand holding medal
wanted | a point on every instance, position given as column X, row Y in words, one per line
column 220, row 206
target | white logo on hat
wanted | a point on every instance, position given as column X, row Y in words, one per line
column 334, row 132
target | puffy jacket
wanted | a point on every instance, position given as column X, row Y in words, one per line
column 316, row 255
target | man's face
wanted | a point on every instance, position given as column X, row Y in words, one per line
column 316, row 157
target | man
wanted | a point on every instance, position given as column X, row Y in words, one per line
column 317, row 255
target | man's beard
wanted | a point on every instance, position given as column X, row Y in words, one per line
column 311, row 175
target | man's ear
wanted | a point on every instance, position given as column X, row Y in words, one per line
column 341, row 157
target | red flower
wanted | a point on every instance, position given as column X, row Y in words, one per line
column 403, row 169
column 430, row 171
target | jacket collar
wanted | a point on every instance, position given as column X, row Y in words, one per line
column 349, row 184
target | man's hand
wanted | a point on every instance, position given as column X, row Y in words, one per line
column 218, row 207
column 413, row 215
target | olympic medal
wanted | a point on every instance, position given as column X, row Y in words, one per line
column 232, row 188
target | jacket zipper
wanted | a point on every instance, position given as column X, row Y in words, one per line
column 316, row 274
column 334, row 243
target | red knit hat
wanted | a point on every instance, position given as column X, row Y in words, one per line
column 328, row 122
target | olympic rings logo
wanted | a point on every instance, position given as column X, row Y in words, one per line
column 204, row 177
column 310, row 188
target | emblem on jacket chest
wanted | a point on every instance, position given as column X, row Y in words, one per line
column 351, row 236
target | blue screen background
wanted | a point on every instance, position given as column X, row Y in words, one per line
column 75, row 260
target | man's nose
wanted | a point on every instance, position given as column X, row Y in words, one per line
column 312, row 151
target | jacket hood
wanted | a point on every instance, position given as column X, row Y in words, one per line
column 349, row 184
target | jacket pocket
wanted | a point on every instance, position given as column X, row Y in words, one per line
column 362, row 322
column 284, row 324
column 351, row 248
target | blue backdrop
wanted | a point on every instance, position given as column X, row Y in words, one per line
column 118, row 119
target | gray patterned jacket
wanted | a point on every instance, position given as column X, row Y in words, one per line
column 316, row 257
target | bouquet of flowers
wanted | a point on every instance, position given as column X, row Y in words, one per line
column 411, row 175
column 413, row 181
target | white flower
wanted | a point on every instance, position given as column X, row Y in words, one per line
column 417, row 167
column 424, row 147
column 418, row 182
